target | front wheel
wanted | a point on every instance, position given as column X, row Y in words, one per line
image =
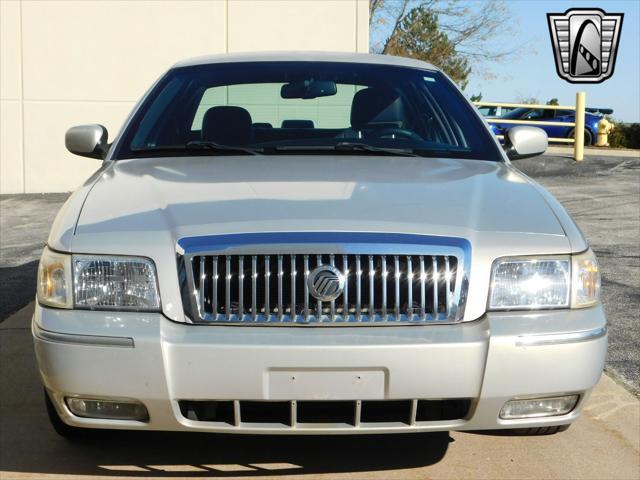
column 588, row 138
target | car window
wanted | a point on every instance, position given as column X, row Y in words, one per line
column 268, row 109
column 487, row 111
column 278, row 106
column 539, row 114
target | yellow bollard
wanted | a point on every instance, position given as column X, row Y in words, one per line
column 578, row 146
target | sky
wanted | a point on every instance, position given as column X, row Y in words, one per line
column 533, row 73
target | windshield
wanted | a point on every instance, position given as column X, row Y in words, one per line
column 517, row 113
column 284, row 107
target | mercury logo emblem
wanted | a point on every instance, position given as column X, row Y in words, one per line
column 325, row 283
column 585, row 43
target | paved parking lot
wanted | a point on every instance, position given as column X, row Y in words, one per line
column 603, row 195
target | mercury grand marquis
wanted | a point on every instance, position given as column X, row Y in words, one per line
column 314, row 243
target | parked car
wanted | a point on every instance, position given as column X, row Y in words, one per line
column 535, row 115
column 494, row 111
column 385, row 269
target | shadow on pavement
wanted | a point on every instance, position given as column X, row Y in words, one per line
column 167, row 454
column 17, row 287
column 29, row 445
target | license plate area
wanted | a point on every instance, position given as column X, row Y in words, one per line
column 323, row 384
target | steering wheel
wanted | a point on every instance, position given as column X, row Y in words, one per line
column 398, row 132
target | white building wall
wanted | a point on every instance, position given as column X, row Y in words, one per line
column 65, row 63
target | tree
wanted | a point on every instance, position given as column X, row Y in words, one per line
column 470, row 27
column 553, row 101
column 419, row 36
column 476, row 98
column 532, row 100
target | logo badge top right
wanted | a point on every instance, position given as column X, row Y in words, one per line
column 585, row 43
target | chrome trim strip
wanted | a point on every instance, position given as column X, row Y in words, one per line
column 409, row 287
column 358, row 289
column 306, row 286
column 241, row 287
column 345, row 292
column 318, row 315
column 447, row 279
column 214, row 287
column 280, row 273
column 201, row 289
column 560, row 338
column 385, row 273
column 78, row 339
column 267, row 280
column 254, row 289
column 292, row 272
column 227, row 301
column 371, row 287
column 423, row 277
column 396, row 274
column 434, row 266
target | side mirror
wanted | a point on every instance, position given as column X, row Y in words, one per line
column 87, row 141
column 525, row 142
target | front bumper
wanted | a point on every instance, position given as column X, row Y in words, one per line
column 147, row 358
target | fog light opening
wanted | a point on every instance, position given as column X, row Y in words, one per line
column 538, row 407
column 107, row 409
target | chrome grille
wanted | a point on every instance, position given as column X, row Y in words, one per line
column 271, row 288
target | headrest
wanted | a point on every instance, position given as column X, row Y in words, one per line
column 297, row 124
column 369, row 105
column 227, row 125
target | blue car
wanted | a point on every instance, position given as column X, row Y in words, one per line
column 534, row 115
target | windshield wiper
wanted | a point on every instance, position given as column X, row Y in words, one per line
column 206, row 144
column 365, row 147
column 350, row 147
column 200, row 145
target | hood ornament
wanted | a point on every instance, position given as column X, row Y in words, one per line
column 325, row 283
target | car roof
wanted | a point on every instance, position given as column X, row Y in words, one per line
column 311, row 56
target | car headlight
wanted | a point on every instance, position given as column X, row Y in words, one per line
column 100, row 282
column 585, row 280
column 54, row 279
column 545, row 282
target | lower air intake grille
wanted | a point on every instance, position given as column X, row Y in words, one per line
column 347, row 413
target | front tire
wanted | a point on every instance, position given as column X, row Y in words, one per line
column 588, row 138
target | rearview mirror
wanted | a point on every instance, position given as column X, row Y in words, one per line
column 308, row 89
column 87, row 141
column 525, row 142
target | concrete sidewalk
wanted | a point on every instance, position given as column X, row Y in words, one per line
column 604, row 443
column 563, row 150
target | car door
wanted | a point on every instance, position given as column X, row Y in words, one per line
column 562, row 131
column 524, row 115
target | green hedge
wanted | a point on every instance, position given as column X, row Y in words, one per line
column 625, row 135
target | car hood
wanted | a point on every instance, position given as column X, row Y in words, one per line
column 231, row 194
column 144, row 206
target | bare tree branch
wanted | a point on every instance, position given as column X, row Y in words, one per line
column 471, row 29
column 398, row 19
